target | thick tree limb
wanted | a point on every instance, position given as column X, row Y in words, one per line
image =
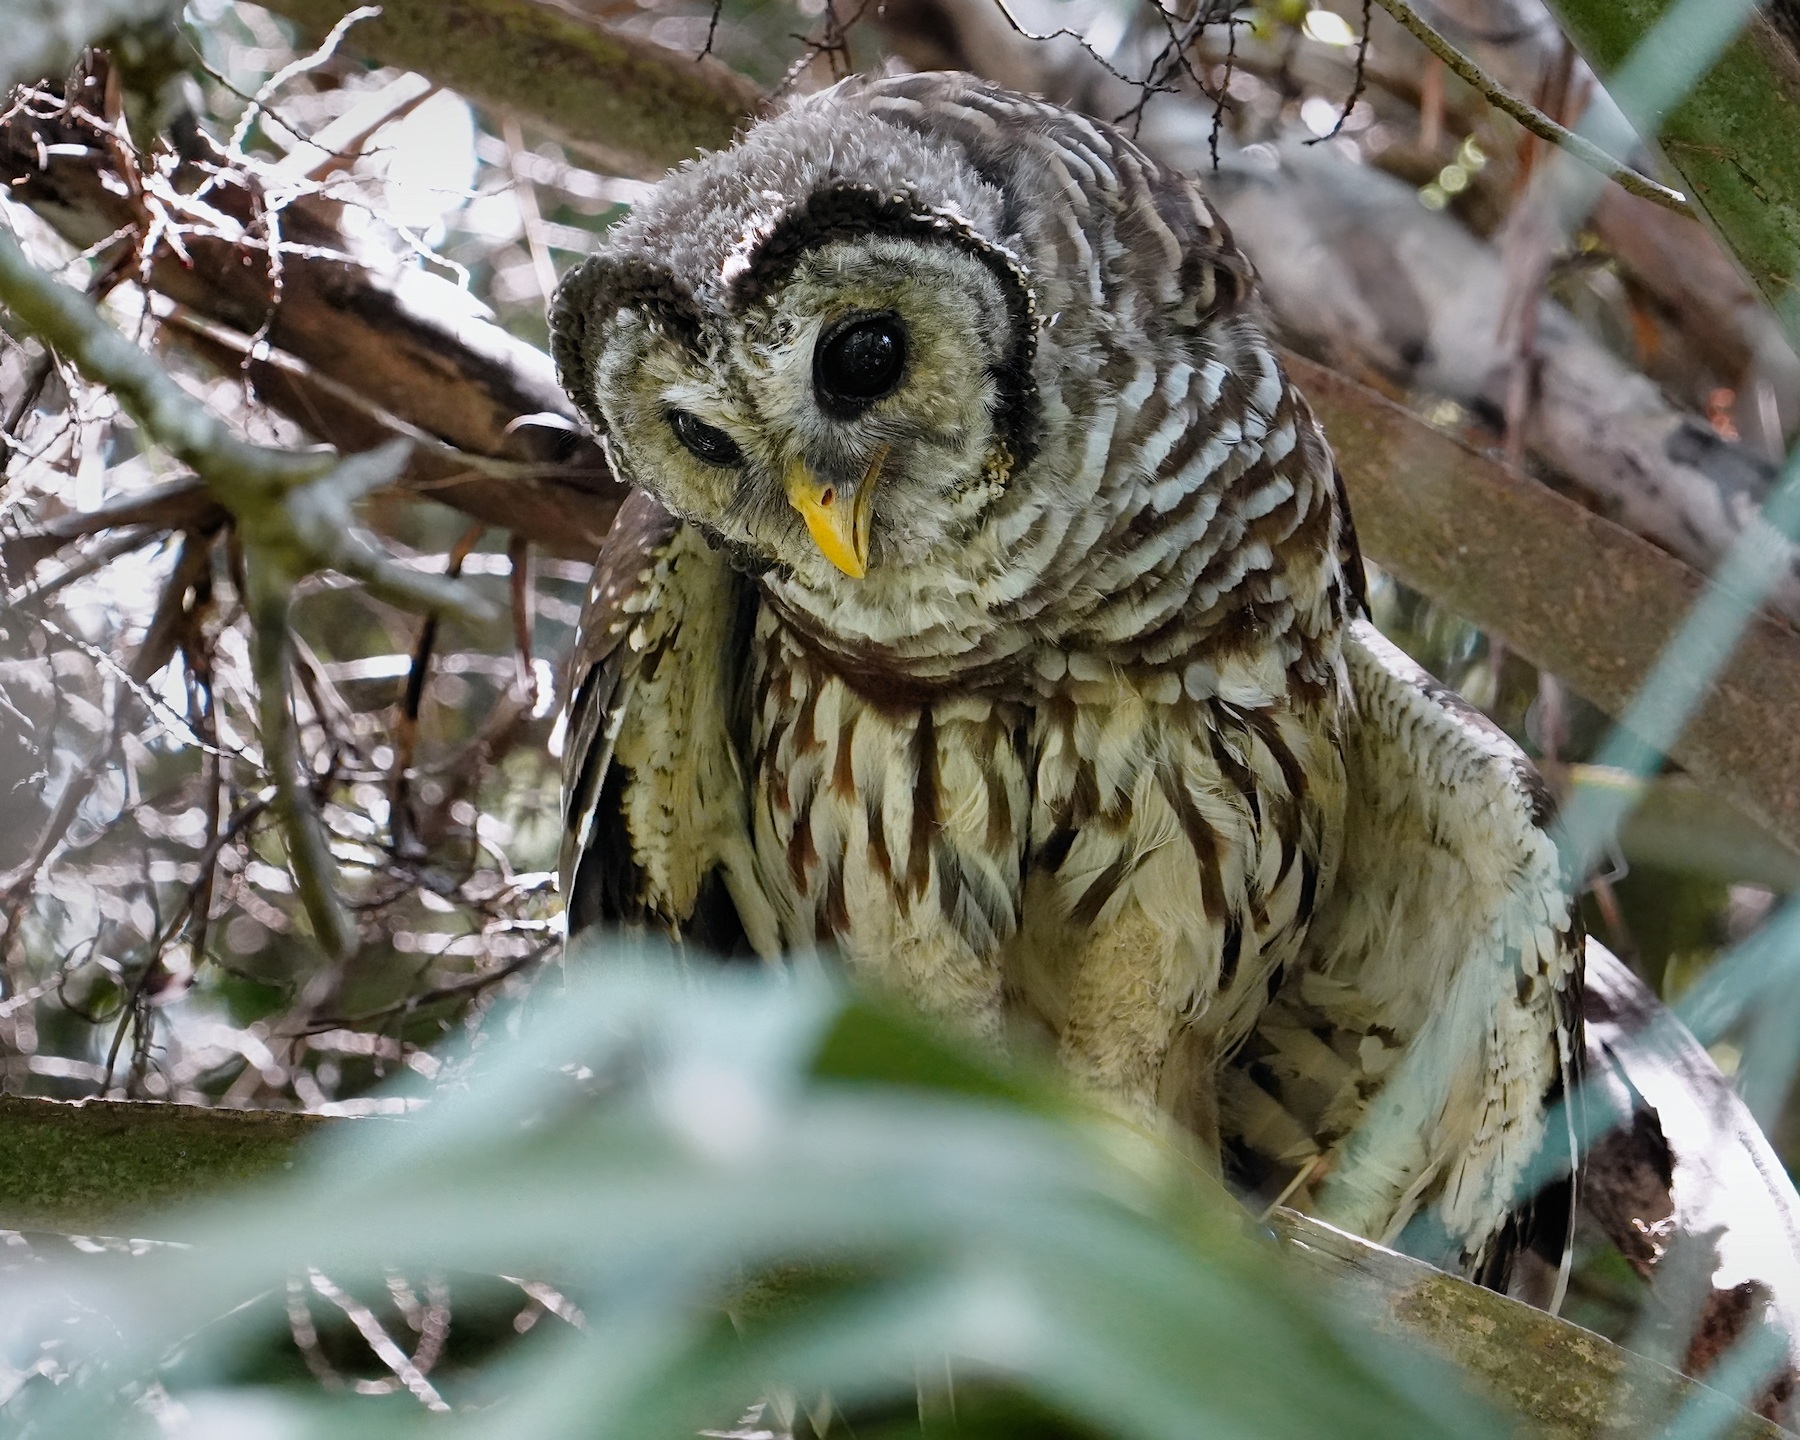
column 175, row 505
column 1571, row 591
column 93, row 1167
column 635, row 106
column 1566, row 1382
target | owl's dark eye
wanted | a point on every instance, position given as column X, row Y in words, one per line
column 709, row 443
column 856, row 365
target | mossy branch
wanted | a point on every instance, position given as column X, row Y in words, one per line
column 631, row 103
column 110, row 1167
column 1731, row 137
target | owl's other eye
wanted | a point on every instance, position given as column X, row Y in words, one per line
column 856, row 365
column 707, row 442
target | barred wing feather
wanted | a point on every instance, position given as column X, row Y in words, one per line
column 655, row 806
column 1407, row 1074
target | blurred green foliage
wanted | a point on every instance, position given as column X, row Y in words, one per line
column 748, row 1189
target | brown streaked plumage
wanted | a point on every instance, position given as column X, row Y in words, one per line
column 988, row 624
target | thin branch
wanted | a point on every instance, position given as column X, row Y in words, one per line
column 309, row 850
column 122, row 542
column 327, row 48
column 1532, row 118
column 296, row 505
column 523, row 583
column 176, row 505
column 161, row 638
column 405, row 1369
column 455, row 990
column 1356, row 90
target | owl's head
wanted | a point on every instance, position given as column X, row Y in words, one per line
column 816, row 345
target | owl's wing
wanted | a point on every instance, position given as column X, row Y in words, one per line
column 1443, row 975
column 655, row 828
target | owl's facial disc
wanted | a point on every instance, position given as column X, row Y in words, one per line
column 839, row 429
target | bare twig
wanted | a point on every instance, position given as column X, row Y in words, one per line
column 296, row 505
column 1531, row 117
column 412, row 1004
column 309, row 850
column 405, row 1369
column 159, row 643
column 326, row 49
column 525, row 193
column 1356, row 89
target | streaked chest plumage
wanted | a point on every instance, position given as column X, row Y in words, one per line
column 971, row 850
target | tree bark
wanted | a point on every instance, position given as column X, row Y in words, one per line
column 1567, row 1383
column 1574, row 593
column 629, row 104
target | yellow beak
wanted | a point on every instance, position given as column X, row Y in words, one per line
column 839, row 526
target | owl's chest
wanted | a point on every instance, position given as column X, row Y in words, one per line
column 879, row 826
column 920, row 839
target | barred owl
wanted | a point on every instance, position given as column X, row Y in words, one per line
column 986, row 612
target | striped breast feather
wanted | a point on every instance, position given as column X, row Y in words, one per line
column 1443, row 974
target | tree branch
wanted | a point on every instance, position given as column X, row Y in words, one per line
column 308, row 849
column 1531, row 117
column 1565, row 1381
column 1572, row 592
column 355, row 355
column 633, row 105
column 122, row 1167
column 294, row 514
column 296, row 506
